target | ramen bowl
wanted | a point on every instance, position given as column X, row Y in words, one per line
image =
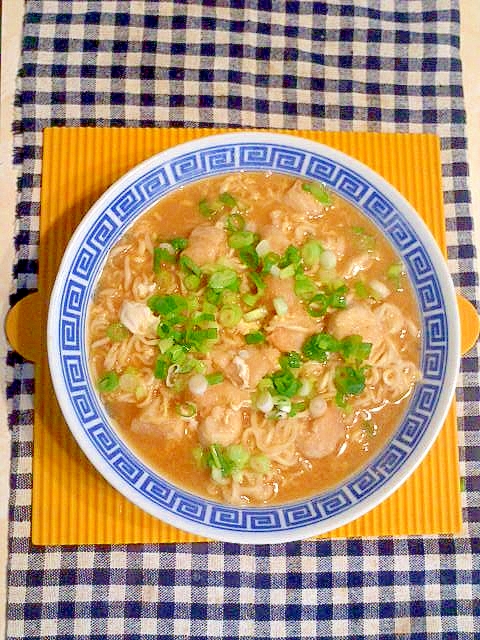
column 139, row 190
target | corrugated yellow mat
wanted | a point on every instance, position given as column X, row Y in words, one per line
column 72, row 503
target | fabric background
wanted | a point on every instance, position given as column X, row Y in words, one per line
column 367, row 65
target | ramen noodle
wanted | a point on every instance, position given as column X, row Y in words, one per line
column 254, row 338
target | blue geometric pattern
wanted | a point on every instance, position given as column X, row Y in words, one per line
column 141, row 193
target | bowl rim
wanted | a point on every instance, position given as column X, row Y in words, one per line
column 400, row 206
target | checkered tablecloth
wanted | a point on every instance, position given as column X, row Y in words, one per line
column 368, row 65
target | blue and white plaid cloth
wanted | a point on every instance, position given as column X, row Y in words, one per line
column 368, row 65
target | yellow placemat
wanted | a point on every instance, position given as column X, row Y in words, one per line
column 72, row 503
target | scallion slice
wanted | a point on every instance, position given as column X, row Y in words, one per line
column 108, row 382
column 241, row 239
column 230, row 315
column 214, row 378
column 117, row 332
column 257, row 337
column 255, row 314
column 318, row 191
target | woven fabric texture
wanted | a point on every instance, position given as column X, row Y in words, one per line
column 368, row 65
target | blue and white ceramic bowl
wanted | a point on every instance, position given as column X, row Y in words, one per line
column 136, row 192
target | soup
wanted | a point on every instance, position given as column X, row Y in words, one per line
column 254, row 338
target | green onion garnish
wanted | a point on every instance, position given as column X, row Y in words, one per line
column 318, row 346
column 214, row 378
column 227, row 199
column 292, row 359
column 249, row 256
column 318, row 191
column 235, row 222
column 257, row 337
column 188, row 265
column 311, row 252
column 305, row 287
column 108, row 382
column 280, row 306
column 224, row 278
column 269, row 260
column 255, row 314
column 394, row 273
column 230, row 315
column 241, row 239
column 179, row 244
column 363, row 239
column 191, row 282
column 117, row 332
column 348, row 381
column 186, row 409
column 167, row 305
column 285, row 383
column 161, row 367
column 362, row 291
column 161, row 256
column 205, row 209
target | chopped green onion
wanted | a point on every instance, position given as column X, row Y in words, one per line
column 361, row 290
column 318, row 346
column 353, row 349
column 318, row 191
column 260, row 463
column 224, row 278
column 186, row 409
column 108, row 382
column 290, row 257
column 311, row 252
column 191, row 282
column 161, row 367
column 117, row 332
column 235, row 222
column 264, row 402
column 241, row 239
column 165, row 344
column 257, row 337
column 262, row 248
column 292, row 359
column 161, row 256
column 328, row 260
column 167, row 305
column 318, row 305
column 363, row 239
column 255, row 314
column 285, row 383
column 205, row 209
column 250, row 299
column 269, row 260
column 238, row 455
column 348, row 381
column 187, row 264
column 216, row 459
column 165, row 280
column 280, row 306
column 287, row 272
column 249, row 256
column 214, row 378
column 230, row 315
column 305, row 287
column 199, row 457
column 394, row 273
column 227, row 199
column 297, row 407
column 179, row 244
